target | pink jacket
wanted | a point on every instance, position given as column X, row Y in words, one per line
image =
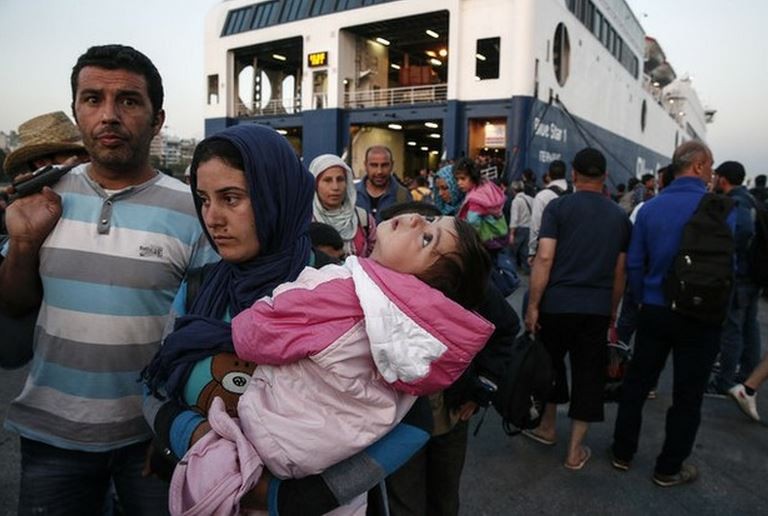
column 485, row 199
column 342, row 352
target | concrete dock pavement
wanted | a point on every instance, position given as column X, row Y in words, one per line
column 514, row 475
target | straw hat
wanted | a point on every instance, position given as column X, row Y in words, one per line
column 45, row 134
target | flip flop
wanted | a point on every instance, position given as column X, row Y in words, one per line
column 530, row 434
column 576, row 467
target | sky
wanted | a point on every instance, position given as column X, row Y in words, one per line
column 722, row 45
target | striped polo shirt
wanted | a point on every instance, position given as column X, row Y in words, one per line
column 110, row 270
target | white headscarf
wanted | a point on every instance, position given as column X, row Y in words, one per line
column 343, row 219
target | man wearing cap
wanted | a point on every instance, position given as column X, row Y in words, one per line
column 577, row 280
column 740, row 337
column 49, row 139
column 102, row 253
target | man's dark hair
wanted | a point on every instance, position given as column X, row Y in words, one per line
column 621, row 188
column 422, row 208
column 557, row 170
column 325, row 234
column 589, row 162
column 666, row 176
column 732, row 171
column 468, row 168
column 646, row 177
column 121, row 57
column 761, row 180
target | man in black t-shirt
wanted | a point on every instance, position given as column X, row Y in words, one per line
column 577, row 281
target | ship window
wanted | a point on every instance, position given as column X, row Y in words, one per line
column 213, row 89
column 561, row 54
column 643, row 114
column 246, row 89
column 487, row 58
column 597, row 24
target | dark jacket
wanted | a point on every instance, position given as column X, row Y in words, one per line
column 396, row 194
column 745, row 227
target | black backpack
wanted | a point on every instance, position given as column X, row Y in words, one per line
column 559, row 191
column 698, row 285
column 758, row 247
column 525, row 386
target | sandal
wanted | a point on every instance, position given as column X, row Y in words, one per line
column 580, row 465
column 539, row 438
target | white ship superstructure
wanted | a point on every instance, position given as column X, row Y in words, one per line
column 521, row 81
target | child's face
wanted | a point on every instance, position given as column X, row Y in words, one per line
column 411, row 243
column 464, row 182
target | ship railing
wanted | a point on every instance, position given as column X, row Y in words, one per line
column 273, row 107
column 396, row 96
column 653, row 88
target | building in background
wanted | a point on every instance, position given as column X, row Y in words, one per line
column 170, row 153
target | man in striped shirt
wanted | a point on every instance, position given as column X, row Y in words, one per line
column 102, row 254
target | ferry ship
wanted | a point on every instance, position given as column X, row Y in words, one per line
column 520, row 82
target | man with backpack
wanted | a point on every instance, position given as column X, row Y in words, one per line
column 520, row 211
column 684, row 218
column 577, row 281
column 556, row 187
column 740, row 339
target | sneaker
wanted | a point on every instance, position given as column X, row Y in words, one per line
column 620, row 464
column 713, row 391
column 687, row 474
column 747, row 403
column 652, row 395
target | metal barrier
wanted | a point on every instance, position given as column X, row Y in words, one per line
column 396, row 96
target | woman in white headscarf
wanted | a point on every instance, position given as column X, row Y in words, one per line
column 334, row 204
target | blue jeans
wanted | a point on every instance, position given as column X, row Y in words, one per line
column 627, row 323
column 63, row 482
column 740, row 339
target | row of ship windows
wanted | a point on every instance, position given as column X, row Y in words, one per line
column 594, row 20
column 264, row 14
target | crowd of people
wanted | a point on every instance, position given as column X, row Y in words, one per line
column 279, row 337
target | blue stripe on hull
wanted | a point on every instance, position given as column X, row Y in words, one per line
column 523, row 150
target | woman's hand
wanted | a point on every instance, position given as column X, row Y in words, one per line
column 467, row 410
